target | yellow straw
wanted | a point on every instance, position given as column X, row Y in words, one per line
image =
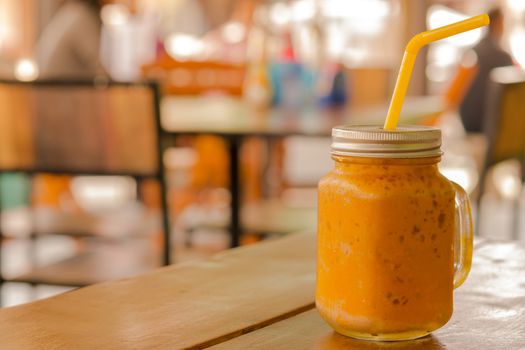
column 411, row 50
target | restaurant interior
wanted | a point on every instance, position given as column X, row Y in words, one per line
column 141, row 133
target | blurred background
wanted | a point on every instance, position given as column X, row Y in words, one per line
column 235, row 143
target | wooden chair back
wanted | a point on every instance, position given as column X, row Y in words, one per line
column 79, row 127
column 504, row 126
column 505, row 122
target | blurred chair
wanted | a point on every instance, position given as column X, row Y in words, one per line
column 505, row 127
column 83, row 128
column 196, row 77
column 458, row 86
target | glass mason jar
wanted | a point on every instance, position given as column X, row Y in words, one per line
column 394, row 235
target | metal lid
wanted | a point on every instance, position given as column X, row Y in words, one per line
column 406, row 141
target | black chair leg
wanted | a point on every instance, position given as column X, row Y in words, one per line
column 481, row 191
column 516, row 219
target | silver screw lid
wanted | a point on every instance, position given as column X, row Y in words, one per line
column 372, row 141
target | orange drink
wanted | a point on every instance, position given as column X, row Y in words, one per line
column 389, row 252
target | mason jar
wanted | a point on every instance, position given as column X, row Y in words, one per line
column 394, row 235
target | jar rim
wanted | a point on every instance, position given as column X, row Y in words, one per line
column 372, row 141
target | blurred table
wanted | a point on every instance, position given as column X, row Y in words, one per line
column 234, row 121
column 234, row 118
column 257, row 297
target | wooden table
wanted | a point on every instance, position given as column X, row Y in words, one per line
column 257, row 297
column 208, row 116
column 234, row 121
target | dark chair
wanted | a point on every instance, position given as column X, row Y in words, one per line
column 83, row 128
column 504, row 127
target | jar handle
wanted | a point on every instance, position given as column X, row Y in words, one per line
column 463, row 237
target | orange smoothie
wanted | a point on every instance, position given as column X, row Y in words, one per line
column 385, row 247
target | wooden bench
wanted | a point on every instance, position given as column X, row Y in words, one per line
column 256, row 297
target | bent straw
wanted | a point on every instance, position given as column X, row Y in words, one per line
column 409, row 58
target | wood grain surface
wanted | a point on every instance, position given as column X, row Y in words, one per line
column 188, row 305
column 78, row 127
column 257, row 297
column 489, row 314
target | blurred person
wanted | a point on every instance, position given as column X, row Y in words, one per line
column 69, row 46
column 130, row 40
column 489, row 55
